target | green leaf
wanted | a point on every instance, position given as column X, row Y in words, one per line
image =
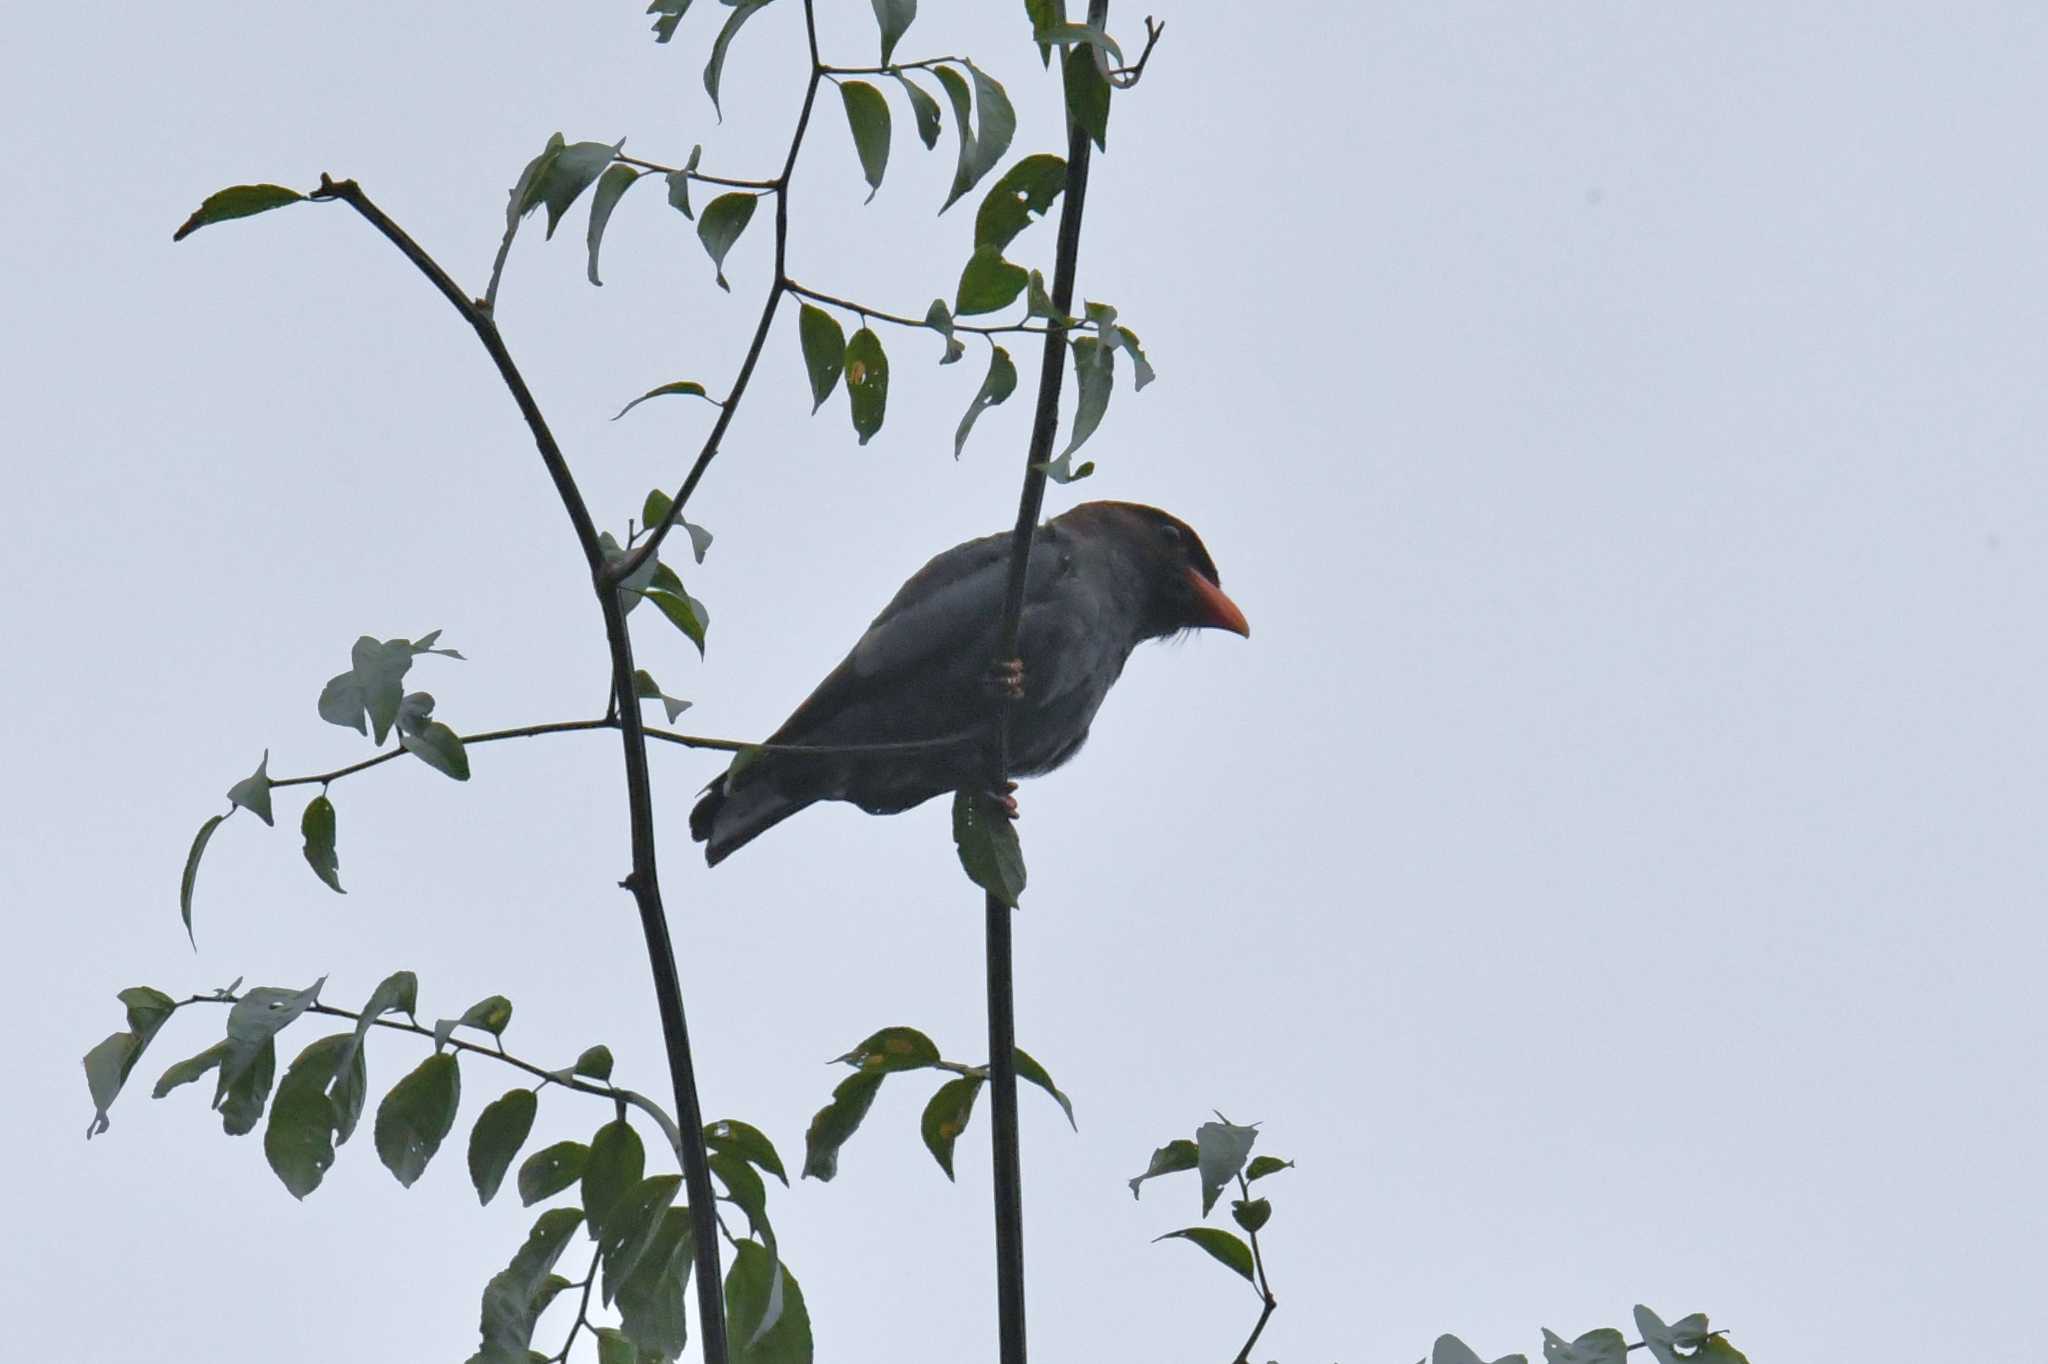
column 440, row 748
column 689, row 387
column 684, row 612
column 148, row 1009
column 492, row 1015
column 373, row 685
column 106, row 1069
column 1224, row 1245
column 252, row 792
column 615, row 1346
column 893, row 17
column 612, row 1170
column 415, row 712
column 1252, row 1214
column 867, row 114
column 679, row 183
column 940, row 319
column 668, row 14
column 988, row 283
column 745, row 1191
column 1451, row 1350
column 1087, row 95
column 1028, row 1069
column 986, row 840
column 743, row 11
column 1038, row 303
column 995, row 125
column 1689, row 1334
column 299, row 1142
column 256, row 1018
column 318, row 828
column 191, row 1068
column 595, row 1063
column 1043, row 14
column 770, row 1324
column 652, row 1309
column 923, row 108
column 890, row 1050
column 867, row 382
column 550, row 1170
column 747, row 1142
column 572, row 170
column 501, row 1129
column 1059, row 34
column 999, row 384
column 517, row 1294
column 1095, row 373
column 634, row 1225
column 1262, row 1166
column 191, row 876
column 237, row 201
column 1025, row 191
column 611, row 187
column 1168, row 1159
column 1604, row 1346
column 824, row 346
column 645, row 688
column 700, row 539
column 654, row 508
column 724, row 219
column 837, row 1121
column 1221, row 1149
column 1126, row 340
column 946, row 1116
column 240, row 1100
column 398, row 992
column 416, row 1115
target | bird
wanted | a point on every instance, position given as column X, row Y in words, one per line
column 923, row 681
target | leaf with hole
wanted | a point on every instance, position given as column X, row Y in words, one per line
column 867, row 382
column 824, row 347
column 1025, row 192
column 867, row 115
column 417, row 1115
column 517, row 1294
column 300, row 1138
column 747, row 1142
column 923, row 109
column 1000, row 383
column 237, row 201
column 550, row 1170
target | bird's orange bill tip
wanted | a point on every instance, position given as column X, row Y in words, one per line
column 1216, row 611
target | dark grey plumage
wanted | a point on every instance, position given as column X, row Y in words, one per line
column 1103, row 578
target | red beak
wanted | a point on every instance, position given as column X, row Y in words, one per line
column 1215, row 611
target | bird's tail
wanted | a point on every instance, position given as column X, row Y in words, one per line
column 727, row 820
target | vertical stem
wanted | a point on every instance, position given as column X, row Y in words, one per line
column 1002, row 1015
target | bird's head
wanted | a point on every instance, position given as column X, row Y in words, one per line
column 1183, row 589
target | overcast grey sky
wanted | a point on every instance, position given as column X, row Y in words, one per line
column 1613, row 868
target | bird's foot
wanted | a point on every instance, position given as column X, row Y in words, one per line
column 1005, row 798
column 1006, row 679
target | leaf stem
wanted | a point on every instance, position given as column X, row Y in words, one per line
column 765, row 186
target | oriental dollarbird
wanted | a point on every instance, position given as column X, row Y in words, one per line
column 1103, row 578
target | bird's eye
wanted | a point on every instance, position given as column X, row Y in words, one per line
column 1170, row 531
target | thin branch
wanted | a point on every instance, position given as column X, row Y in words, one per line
column 1124, row 77
column 899, row 319
column 632, row 561
column 924, row 64
column 765, row 186
column 643, row 880
column 1244, row 1190
column 669, row 736
column 561, row 1356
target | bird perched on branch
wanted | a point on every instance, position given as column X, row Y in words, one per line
column 1103, row 578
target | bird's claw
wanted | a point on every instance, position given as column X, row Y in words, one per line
column 1005, row 799
column 1006, row 679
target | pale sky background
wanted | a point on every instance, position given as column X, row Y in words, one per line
column 1613, row 868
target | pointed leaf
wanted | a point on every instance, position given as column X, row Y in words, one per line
column 892, row 1049
column 1262, row 1166
column 747, row 1142
column 501, row 1129
column 595, row 1063
column 824, row 346
column 572, row 170
column 440, row 748
column 893, row 17
column 1087, row 95
column 867, row 114
column 988, row 283
column 417, row 1115
column 668, row 13
column 1126, row 340
column 256, row 1018
column 745, row 1191
column 318, row 828
column 1095, row 373
column 550, row 1170
column 652, row 1309
column 986, row 840
column 1025, row 191
column 1000, row 383
column 923, row 108
column 645, row 688
column 612, row 1170
column 517, row 1294
column 190, row 1069
column 837, row 1121
column 106, row 1069
column 240, row 1100
column 1251, row 1213
column 940, row 319
column 1221, row 1149
column 611, row 187
column 1224, row 1245
column 191, row 876
column 684, row 612
column 867, row 382
column 1604, row 1346
column 1028, row 1069
column 237, row 201
column 724, row 219
column 398, row 992
column 635, row 1224
column 1169, row 1159
column 770, row 1324
column 685, row 386
column 715, row 69
column 946, row 1116
column 299, row 1141
column 252, row 792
